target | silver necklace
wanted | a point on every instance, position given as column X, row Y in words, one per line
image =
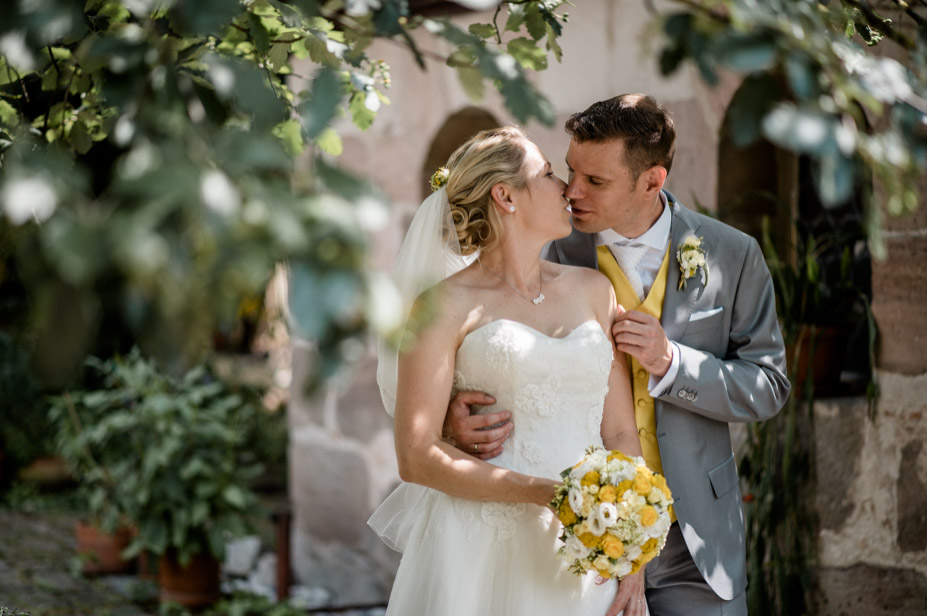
column 537, row 300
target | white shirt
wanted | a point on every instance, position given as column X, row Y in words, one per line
column 655, row 239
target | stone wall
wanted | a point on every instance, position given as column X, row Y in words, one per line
column 872, row 501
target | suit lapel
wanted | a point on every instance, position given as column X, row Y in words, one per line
column 678, row 303
column 577, row 249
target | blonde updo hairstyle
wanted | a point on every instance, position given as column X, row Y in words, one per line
column 490, row 157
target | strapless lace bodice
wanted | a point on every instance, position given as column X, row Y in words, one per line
column 464, row 557
column 554, row 387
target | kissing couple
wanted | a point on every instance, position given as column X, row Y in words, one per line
column 563, row 314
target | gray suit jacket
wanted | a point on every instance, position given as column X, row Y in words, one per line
column 731, row 369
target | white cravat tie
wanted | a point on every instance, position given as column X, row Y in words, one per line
column 629, row 257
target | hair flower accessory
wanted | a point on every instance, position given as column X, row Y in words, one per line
column 691, row 257
column 439, row 179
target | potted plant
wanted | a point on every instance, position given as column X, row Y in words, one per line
column 182, row 476
column 90, row 449
column 822, row 299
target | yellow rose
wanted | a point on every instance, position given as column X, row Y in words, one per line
column 612, row 546
column 646, row 557
column 565, row 514
column 617, row 455
column 608, row 494
column 589, row 540
column 636, row 566
column 648, row 515
column 660, row 482
column 642, row 484
column 650, row 545
column 591, row 479
column 604, row 573
column 624, row 486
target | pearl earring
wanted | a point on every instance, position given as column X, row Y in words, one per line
column 511, row 208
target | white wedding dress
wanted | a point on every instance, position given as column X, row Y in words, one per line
column 466, row 558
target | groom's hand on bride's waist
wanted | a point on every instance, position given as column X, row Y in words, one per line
column 481, row 436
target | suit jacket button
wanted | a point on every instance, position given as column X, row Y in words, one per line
column 682, row 394
column 691, row 397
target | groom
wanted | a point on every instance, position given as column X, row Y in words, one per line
column 700, row 326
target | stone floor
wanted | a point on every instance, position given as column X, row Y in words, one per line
column 39, row 573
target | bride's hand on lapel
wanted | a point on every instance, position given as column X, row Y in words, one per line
column 641, row 336
column 630, row 597
column 481, row 436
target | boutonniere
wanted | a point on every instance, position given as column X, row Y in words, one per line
column 691, row 257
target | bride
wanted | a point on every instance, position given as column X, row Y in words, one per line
column 478, row 538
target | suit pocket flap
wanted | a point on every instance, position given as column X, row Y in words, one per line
column 704, row 319
column 723, row 477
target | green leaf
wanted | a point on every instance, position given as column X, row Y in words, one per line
column 204, row 16
column 290, row 133
column 472, row 81
column 361, row 114
column 516, row 17
column 802, row 75
column 329, row 142
column 386, row 19
column 746, row 53
column 553, row 45
column 322, row 106
column 534, row 22
column 9, row 116
column 528, row 54
column 234, row 496
column 279, row 55
column 750, row 105
column 316, row 44
column 486, row 31
column 80, row 138
column 259, row 33
column 289, row 15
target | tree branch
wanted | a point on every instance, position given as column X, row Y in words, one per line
column 878, row 24
column 907, row 9
column 717, row 15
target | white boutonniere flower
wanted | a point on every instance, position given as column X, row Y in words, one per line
column 691, row 258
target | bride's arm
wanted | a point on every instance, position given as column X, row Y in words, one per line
column 619, row 426
column 426, row 373
column 619, row 431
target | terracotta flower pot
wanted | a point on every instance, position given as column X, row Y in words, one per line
column 195, row 585
column 102, row 551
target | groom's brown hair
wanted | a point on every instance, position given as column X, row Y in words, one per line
column 645, row 127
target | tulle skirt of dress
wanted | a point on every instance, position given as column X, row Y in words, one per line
column 462, row 558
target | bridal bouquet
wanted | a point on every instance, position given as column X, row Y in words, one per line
column 614, row 511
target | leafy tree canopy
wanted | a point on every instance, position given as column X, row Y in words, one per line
column 148, row 151
column 817, row 84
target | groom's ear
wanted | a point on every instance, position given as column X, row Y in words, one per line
column 651, row 180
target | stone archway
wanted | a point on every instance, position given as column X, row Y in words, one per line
column 757, row 181
column 458, row 127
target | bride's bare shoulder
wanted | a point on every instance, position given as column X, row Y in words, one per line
column 576, row 274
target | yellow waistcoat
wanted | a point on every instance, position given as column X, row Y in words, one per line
column 652, row 305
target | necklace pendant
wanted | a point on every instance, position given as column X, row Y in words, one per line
column 537, row 300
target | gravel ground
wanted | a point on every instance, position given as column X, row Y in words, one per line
column 38, row 572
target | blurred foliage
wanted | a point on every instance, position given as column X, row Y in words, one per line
column 148, row 151
column 24, row 427
column 815, row 86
